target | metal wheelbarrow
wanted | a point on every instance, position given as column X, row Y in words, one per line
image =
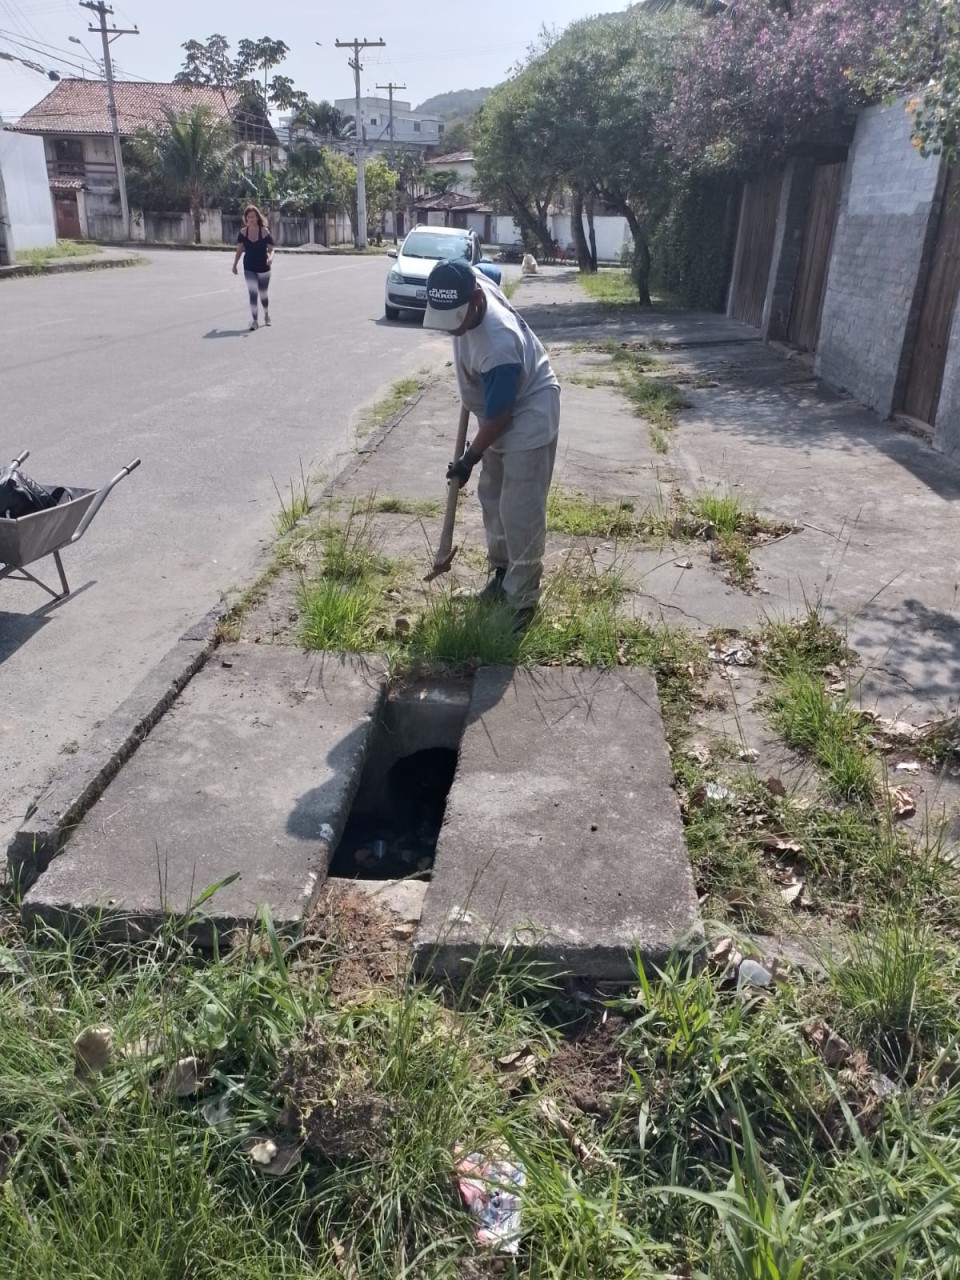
column 47, row 532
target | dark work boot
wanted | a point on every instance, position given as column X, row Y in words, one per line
column 494, row 588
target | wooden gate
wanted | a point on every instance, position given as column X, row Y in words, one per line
column 758, row 229
column 68, row 215
column 925, row 379
column 803, row 327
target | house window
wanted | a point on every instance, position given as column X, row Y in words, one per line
column 69, row 157
column 416, row 126
column 373, row 119
column 440, row 128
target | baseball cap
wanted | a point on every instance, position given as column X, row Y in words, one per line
column 450, row 286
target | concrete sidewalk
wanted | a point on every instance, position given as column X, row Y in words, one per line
column 872, row 514
column 94, row 261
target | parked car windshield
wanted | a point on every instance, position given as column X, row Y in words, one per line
column 420, row 244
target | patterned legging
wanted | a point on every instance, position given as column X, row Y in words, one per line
column 258, row 280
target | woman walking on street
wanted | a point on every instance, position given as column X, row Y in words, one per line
column 255, row 243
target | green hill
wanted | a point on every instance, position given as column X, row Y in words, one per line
column 460, row 102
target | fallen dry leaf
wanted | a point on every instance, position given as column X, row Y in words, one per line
column 343, row 1260
column 902, row 801
column 792, row 892
column 749, row 755
column 724, row 955
column 776, row 844
column 92, row 1050
column 832, row 1048
column 518, row 1066
column 775, row 787
column 185, row 1078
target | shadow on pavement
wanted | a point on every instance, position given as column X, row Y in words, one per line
column 228, row 333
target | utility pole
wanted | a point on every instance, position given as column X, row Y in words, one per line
column 357, row 67
column 393, row 155
column 108, row 35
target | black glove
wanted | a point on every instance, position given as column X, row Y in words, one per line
column 460, row 470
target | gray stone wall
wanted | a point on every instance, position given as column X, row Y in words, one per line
column 946, row 435
column 876, row 274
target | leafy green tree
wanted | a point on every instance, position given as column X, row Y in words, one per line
column 440, row 181
column 209, row 63
column 582, row 114
column 458, row 135
column 380, row 182
column 517, row 168
column 187, row 158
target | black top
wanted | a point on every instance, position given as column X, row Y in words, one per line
column 255, row 251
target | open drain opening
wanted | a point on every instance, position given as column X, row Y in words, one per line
column 392, row 829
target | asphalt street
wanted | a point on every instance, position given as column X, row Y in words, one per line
column 99, row 367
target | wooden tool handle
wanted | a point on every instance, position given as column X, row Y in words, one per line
column 453, row 493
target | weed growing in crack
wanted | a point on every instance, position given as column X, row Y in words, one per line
column 586, row 517
column 293, row 510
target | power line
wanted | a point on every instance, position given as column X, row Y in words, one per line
column 42, row 53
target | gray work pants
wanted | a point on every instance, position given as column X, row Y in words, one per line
column 513, row 490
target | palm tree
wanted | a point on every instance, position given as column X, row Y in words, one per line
column 322, row 120
column 189, row 156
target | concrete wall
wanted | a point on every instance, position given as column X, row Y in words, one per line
column 612, row 233
column 876, row 274
column 946, row 434
column 26, row 205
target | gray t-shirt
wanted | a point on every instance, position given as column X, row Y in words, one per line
column 504, row 338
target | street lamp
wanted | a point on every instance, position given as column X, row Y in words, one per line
column 95, row 61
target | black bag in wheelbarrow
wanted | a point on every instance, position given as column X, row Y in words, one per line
column 22, row 496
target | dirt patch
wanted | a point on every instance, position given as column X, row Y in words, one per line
column 363, row 945
column 588, row 1069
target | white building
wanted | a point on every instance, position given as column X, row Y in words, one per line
column 26, row 210
column 410, row 129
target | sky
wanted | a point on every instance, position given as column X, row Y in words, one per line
column 432, row 46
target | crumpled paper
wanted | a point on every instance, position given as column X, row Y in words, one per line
column 490, row 1188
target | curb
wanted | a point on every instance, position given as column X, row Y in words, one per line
column 80, row 783
column 60, row 268
column 77, row 785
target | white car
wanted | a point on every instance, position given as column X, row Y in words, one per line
column 421, row 250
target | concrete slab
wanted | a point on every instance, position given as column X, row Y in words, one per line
column 250, row 773
column 562, row 834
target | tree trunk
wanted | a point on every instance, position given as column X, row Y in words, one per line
column 579, row 239
column 195, row 213
column 533, row 226
column 640, row 267
column 593, row 232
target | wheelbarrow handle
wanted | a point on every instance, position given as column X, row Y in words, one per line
column 19, row 461
column 101, row 497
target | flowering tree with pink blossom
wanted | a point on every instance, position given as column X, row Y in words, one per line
column 759, row 76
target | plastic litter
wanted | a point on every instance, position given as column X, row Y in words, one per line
column 490, row 1188
column 715, row 792
column 753, row 974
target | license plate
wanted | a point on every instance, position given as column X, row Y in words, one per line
column 422, row 293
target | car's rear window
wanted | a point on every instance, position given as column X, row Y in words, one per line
column 421, row 244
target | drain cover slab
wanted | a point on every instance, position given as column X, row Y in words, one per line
column 562, row 836
column 250, row 774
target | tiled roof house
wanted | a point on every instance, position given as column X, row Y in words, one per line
column 74, row 122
